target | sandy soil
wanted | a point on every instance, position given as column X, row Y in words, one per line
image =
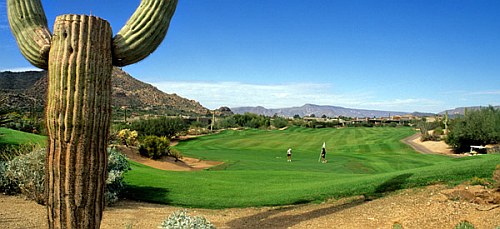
column 430, row 207
column 429, row 147
column 168, row 163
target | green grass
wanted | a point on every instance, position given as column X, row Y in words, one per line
column 14, row 137
column 14, row 143
column 362, row 161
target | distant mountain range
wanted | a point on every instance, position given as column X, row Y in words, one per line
column 23, row 91
column 27, row 90
column 461, row 110
column 318, row 111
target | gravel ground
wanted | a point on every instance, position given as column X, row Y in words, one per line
column 429, row 207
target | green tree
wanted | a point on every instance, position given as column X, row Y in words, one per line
column 478, row 127
column 279, row 122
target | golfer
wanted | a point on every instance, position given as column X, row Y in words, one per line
column 323, row 153
column 289, row 154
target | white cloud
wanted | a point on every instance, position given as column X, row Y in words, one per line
column 409, row 104
column 234, row 94
column 20, row 69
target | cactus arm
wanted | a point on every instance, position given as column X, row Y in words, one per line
column 29, row 25
column 143, row 32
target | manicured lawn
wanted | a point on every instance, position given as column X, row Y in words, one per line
column 365, row 161
column 14, row 137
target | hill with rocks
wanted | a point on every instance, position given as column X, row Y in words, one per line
column 23, row 91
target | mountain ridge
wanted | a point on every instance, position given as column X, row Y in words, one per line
column 27, row 90
column 320, row 110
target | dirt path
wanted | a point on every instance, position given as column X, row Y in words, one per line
column 428, row 147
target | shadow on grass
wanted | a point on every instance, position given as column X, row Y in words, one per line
column 268, row 219
column 147, row 194
column 288, row 216
column 391, row 185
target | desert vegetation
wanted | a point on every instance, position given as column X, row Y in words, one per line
column 476, row 127
column 23, row 171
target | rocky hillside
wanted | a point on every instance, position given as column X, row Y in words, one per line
column 25, row 90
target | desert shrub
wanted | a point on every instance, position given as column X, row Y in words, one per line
column 425, row 127
column 162, row 126
column 154, row 147
column 30, row 123
column 429, row 137
column 175, row 153
column 9, row 152
column 6, row 185
column 392, row 124
column 227, row 122
column 464, row 225
column 198, row 131
column 27, row 172
column 127, row 137
column 397, row 226
column 117, row 166
column 180, row 219
column 438, row 131
column 279, row 122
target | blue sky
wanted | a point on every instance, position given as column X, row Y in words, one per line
column 396, row 55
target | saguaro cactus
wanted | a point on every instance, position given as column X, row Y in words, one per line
column 79, row 56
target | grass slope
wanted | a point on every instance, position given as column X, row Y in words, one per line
column 14, row 137
column 366, row 161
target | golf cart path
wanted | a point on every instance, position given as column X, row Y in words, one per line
column 428, row 147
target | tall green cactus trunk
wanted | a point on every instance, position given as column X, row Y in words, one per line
column 78, row 118
column 79, row 56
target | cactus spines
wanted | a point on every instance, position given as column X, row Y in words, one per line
column 78, row 118
column 143, row 32
column 29, row 25
column 79, row 57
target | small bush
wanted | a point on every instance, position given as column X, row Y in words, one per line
column 27, row 172
column 175, row 154
column 154, row 147
column 6, row 185
column 429, row 137
column 464, row 225
column 180, row 219
column 117, row 166
column 397, row 226
column 438, row 131
column 127, row 137
column 9, row 152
